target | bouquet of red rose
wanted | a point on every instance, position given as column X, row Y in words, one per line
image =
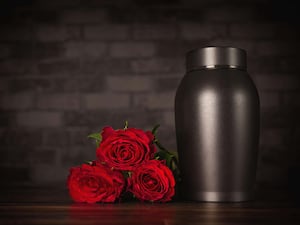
column 127, row 162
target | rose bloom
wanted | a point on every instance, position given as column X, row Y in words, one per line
column 125, row 149
column 95, row 183
column 152, row 181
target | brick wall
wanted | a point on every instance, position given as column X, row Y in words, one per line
column 68, row 68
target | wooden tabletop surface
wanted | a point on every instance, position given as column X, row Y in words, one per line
column 51, row 206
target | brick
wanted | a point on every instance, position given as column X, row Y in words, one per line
column 288, row 64
column 28, row 138
column 59, row 67
column 274, row 137
column 191, row 4
column 169, row 118
column 167, row 84
column 106, row 101
column 162, row 65
column 87, row 118
column 25, row 66
column 74, row 32
column 77, row 16
column 154, row 32
column 41, row 16
column 97, row 3
column 57, row 3
column 18, row 174
column 269, row 100
column 132, row 49
column 296, row 139
column 154, row 14
column 284, row 31
column 57, row 137
column 195, row 31
column 16, row 33
column 22, row 50
column 4, row 85
column 155, row 101
column 96, row 120
column 30, row 85
column 138, row 118
column 49, row 50
column 248, row 31
column 10, row 156
column 85, row 49
column 78, row 137
column 273, row 65
column 291, row 99
column 58, row 101
column 275, row 119
column 275, row 48
column 92, row 84
column 272, row 155
column 229, row 13
column 39, row 119
column 57, row 33
column 177, row 48
column 279, row 83
column 272, row 177
column 105, row 66
column 77, row 155
column 6, row 119
column 5, row 51
column 48, row 174
column 43, row 156
column 51, row 33
column 16, row 101
column 106, row 32
column 55, row 85
column 129, row 83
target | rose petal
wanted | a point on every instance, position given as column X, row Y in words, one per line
column 125, row 149
column 152, row 181
column 95, row 183
column 106, row 132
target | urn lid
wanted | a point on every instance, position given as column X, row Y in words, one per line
column 216, row 57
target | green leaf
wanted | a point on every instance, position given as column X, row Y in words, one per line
column 154, row 130
column 126, row 174
column 126, row 125
column 97, row 137
column 89, row 162
column 171, row 159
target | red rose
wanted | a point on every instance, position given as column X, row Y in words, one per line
column 125, row 149
column 152, row 181
column 95, row 183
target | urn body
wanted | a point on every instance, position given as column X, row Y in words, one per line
column 217, row 126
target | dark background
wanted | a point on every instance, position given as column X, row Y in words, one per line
column 70, row 67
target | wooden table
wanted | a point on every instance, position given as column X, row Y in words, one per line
column 51, row 206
